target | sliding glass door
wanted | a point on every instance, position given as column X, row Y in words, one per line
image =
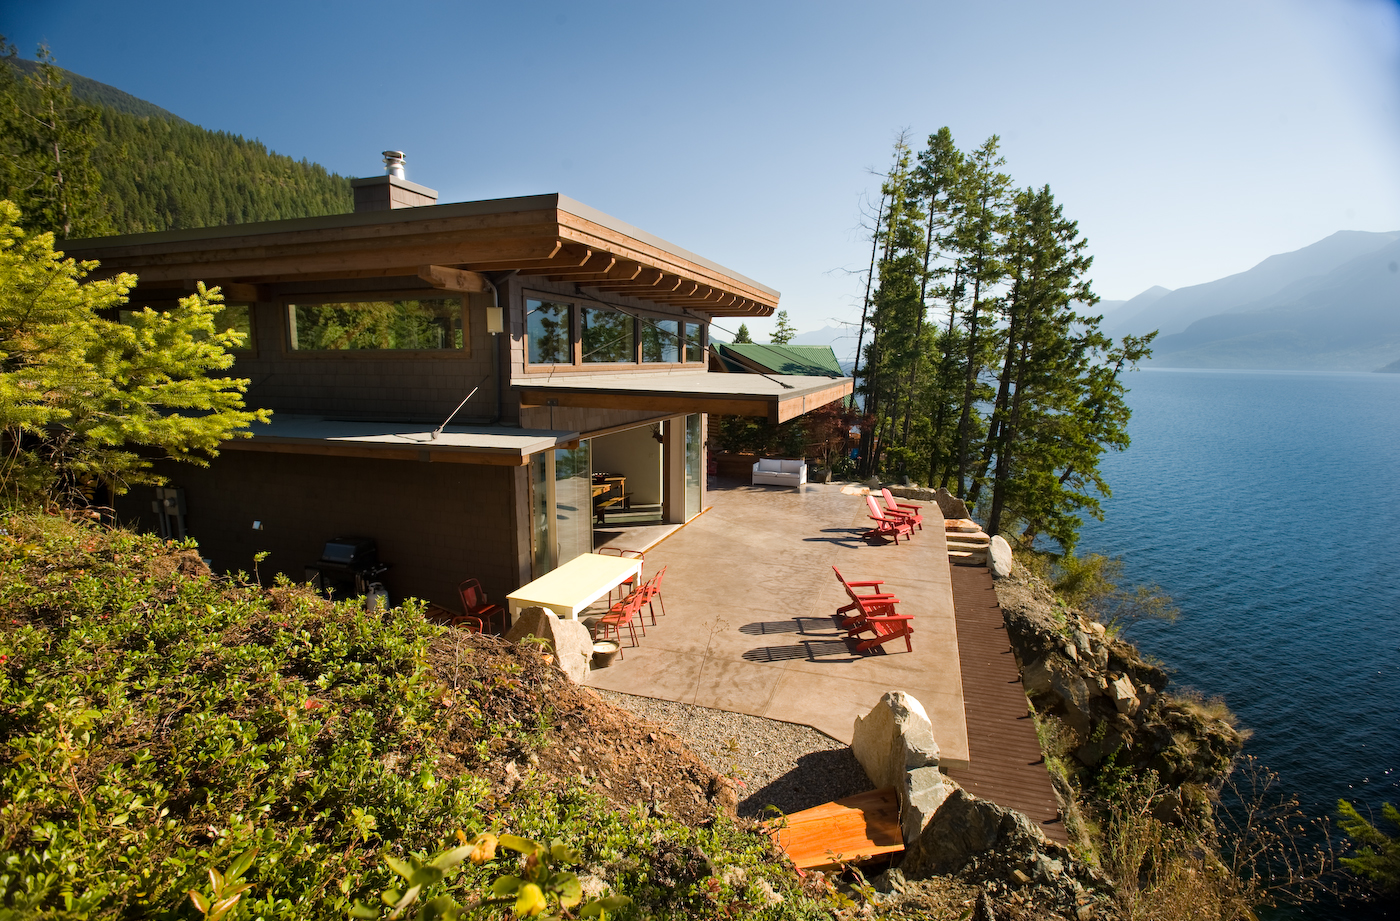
column 561, row 507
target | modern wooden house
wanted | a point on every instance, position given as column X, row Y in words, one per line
column 559, row 341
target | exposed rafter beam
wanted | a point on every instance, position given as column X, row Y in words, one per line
column 449, row 279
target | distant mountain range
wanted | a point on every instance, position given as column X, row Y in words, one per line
column 1331, row 306
column 1334, row 305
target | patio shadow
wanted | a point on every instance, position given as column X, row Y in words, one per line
column 808, row 650
column 819, row 777
column 794, row 625
column 852, row 537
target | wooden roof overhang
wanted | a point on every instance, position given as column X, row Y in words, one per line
column 776, row 397
column 288, row 433
column 451, row 247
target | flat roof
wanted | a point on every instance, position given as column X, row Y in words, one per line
column 548, row 235
column 298, row 434
column 779, row 397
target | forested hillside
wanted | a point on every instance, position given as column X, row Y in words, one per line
column 85, row 159
column 159, row 174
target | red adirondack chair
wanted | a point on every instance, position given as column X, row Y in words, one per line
column 899, row 508
column 875, row 602
column 883, row 628
column 887, row 524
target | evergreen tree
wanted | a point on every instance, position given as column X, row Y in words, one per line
column 784, row 331
column 1009, row 396
column 979, row 238
column 50, row 140
column 87, row 400
column 1378, row 858
column 743, row 334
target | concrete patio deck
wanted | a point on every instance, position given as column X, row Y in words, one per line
column 750, row 621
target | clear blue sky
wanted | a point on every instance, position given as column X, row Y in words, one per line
column 1189, row 138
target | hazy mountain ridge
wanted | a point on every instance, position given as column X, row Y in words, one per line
column 1243, row 291
column 1347, row 319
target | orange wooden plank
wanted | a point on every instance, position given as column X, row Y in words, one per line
column 851, row 829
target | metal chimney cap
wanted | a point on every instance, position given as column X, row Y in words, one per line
column 393, row 163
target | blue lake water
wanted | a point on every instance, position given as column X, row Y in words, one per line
column 1268, row 505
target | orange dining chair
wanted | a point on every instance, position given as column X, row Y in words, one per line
column 630, row 584
column 653, row 590
column 620, row 615
column 476, row 606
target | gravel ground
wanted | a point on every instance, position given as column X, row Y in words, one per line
column 780, row 764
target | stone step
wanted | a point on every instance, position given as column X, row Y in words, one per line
column 980, row 553
column 972, row 556
column 969, row 541
column 965, row 525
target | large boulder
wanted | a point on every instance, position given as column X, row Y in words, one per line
column 894, row 743
column 999, row 559
column 951, row 505
column 569, row 640
column 964, row 827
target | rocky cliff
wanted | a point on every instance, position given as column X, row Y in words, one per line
column 1114, row 704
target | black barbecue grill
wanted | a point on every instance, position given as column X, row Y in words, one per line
column 347, row 567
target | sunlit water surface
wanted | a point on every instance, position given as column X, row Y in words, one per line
column 1268, row 505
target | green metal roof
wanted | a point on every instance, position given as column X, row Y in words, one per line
column 811, row 360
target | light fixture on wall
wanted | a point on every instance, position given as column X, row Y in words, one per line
column 656, row 433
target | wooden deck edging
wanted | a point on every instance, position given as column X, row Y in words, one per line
column 1005, row 761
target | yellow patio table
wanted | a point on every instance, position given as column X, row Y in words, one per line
column 574, row 586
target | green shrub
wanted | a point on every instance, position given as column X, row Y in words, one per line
column 157, row 723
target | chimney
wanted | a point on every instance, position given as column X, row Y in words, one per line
column 392, row 190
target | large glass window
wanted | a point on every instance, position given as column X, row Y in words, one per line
column 660, row 340
column 547, row 328
column 539, row 514
column 607, row 335
column 573, row 502
column 418, row 324
column 694, row 468
column 693, row 342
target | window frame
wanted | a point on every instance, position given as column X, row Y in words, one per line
column 285, row 303
column 576, row 364
column 571, row 349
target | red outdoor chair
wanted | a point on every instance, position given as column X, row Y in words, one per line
column 472, row 624
column 864, row 605
column 884, row 628
column 620, row 615
column 899, row 508
column 652, row 589
column 477, row 607
column 890, row 525
column 630, row 584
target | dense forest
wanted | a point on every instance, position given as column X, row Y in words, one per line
column 976, row 370
column 82, row 158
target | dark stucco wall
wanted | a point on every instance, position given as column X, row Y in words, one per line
column 437, row 524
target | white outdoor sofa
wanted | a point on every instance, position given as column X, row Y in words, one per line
column 774, row 471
